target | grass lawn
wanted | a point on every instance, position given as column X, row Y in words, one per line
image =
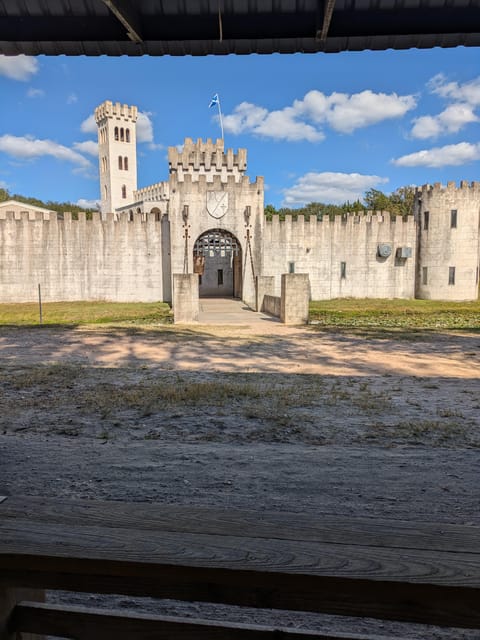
column 79, row 313
column 354, row 313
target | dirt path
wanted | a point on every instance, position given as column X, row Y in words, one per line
column 300, row 421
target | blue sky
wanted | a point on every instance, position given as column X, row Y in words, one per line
column 317, row 127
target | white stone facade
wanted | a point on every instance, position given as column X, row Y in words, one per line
column 208, row 219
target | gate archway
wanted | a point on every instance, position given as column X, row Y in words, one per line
column 217, row 258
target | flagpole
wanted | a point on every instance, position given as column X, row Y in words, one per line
column 220, row 115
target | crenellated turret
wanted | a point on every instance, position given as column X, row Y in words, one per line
column 206, row 157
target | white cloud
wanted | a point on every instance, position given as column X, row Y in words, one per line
column 468, row 92
column 72, row 98
column 35, row 93
column 341, row 111
column 88, row 204
column 345, row 113
column 88, row 146
column 29, row 148
column 18, row 67
column 450, row 120
column 330, row 187
column 450, row 155
column 464, row 98
column 89, row 125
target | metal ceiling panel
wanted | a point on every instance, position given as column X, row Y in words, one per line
column 197, row 27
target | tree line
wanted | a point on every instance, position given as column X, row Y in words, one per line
column 398, row 203
column 59, row 207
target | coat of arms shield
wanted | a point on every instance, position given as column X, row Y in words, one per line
column 217, row 203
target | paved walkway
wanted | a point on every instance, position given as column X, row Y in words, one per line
column 230, row 311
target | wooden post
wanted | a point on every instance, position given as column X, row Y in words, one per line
column 40, row 303
column 8, row 600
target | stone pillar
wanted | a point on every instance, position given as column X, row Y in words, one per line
column 295, row 298
column 265, row 286
column 185, row 298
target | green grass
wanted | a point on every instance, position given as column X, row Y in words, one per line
column 412, row 315
column 80, row 313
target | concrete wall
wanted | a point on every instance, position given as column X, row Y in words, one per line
column 294, row 299
column 319, row 248
column 81, row 259
column 186, row 305
column 442, row 248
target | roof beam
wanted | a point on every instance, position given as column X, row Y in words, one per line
column 126, row 13
column 328, row 8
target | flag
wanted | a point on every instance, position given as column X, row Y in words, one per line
column 213, row 101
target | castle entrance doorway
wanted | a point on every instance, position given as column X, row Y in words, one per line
column 217, row 258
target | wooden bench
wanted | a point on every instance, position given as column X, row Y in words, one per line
column 392, row 570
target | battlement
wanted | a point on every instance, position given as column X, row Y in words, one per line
column 157, row 191
column 110, row 109
column 351, row 219
column 451, row 187
column 206, row 156
column 201, row 180
column 67, row 218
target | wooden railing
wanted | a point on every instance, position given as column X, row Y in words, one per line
column 391, row 570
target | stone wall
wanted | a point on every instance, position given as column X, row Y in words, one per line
column 449, row 241
column 341, row 255
column 114, row 260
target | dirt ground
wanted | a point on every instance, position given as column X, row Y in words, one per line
column 283, row 419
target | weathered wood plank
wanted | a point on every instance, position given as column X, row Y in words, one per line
column 95, row 624
column 325, row 528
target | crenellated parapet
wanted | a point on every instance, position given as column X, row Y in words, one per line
column 157, row 191
column 203, row 181
column 53, row 218
column 469, row 188
column 206, row 157
column 109, row 109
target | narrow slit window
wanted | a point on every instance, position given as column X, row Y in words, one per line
column 220, row 277
column 120, row 162
column 343, row 270
column 453, row 219
column 426, row 220
column 115, row 133
column 127, row 135
column 122, row 135
column 124, row 191
column 424, row 275
column 451, row 275
column 291, row 267
column 125, row 163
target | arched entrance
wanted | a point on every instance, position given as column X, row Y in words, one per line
column 217, row 258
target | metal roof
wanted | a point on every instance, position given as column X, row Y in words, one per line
column 201, row 27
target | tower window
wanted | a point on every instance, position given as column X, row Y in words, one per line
column 291, row 267
column 125, row 163
column 453, row 219
column 120, row 162
column 220, row 277
column 122, row 135
column 124, row 191
column 426, row 220
column 105, row 192
column 115, row 133
column 424, row 275
column 343, row 270
column 127, row 135
column 451, row 275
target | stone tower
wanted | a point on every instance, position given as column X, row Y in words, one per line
column 117, row 154
column 448, row 223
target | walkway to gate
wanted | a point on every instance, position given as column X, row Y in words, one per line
column 230, row 311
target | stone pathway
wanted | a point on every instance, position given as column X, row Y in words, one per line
column 232, row 311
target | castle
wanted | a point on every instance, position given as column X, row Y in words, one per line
column 208, row 219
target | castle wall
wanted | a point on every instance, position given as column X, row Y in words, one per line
column 115, row 260
column 320, row 247
column 448, row 241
